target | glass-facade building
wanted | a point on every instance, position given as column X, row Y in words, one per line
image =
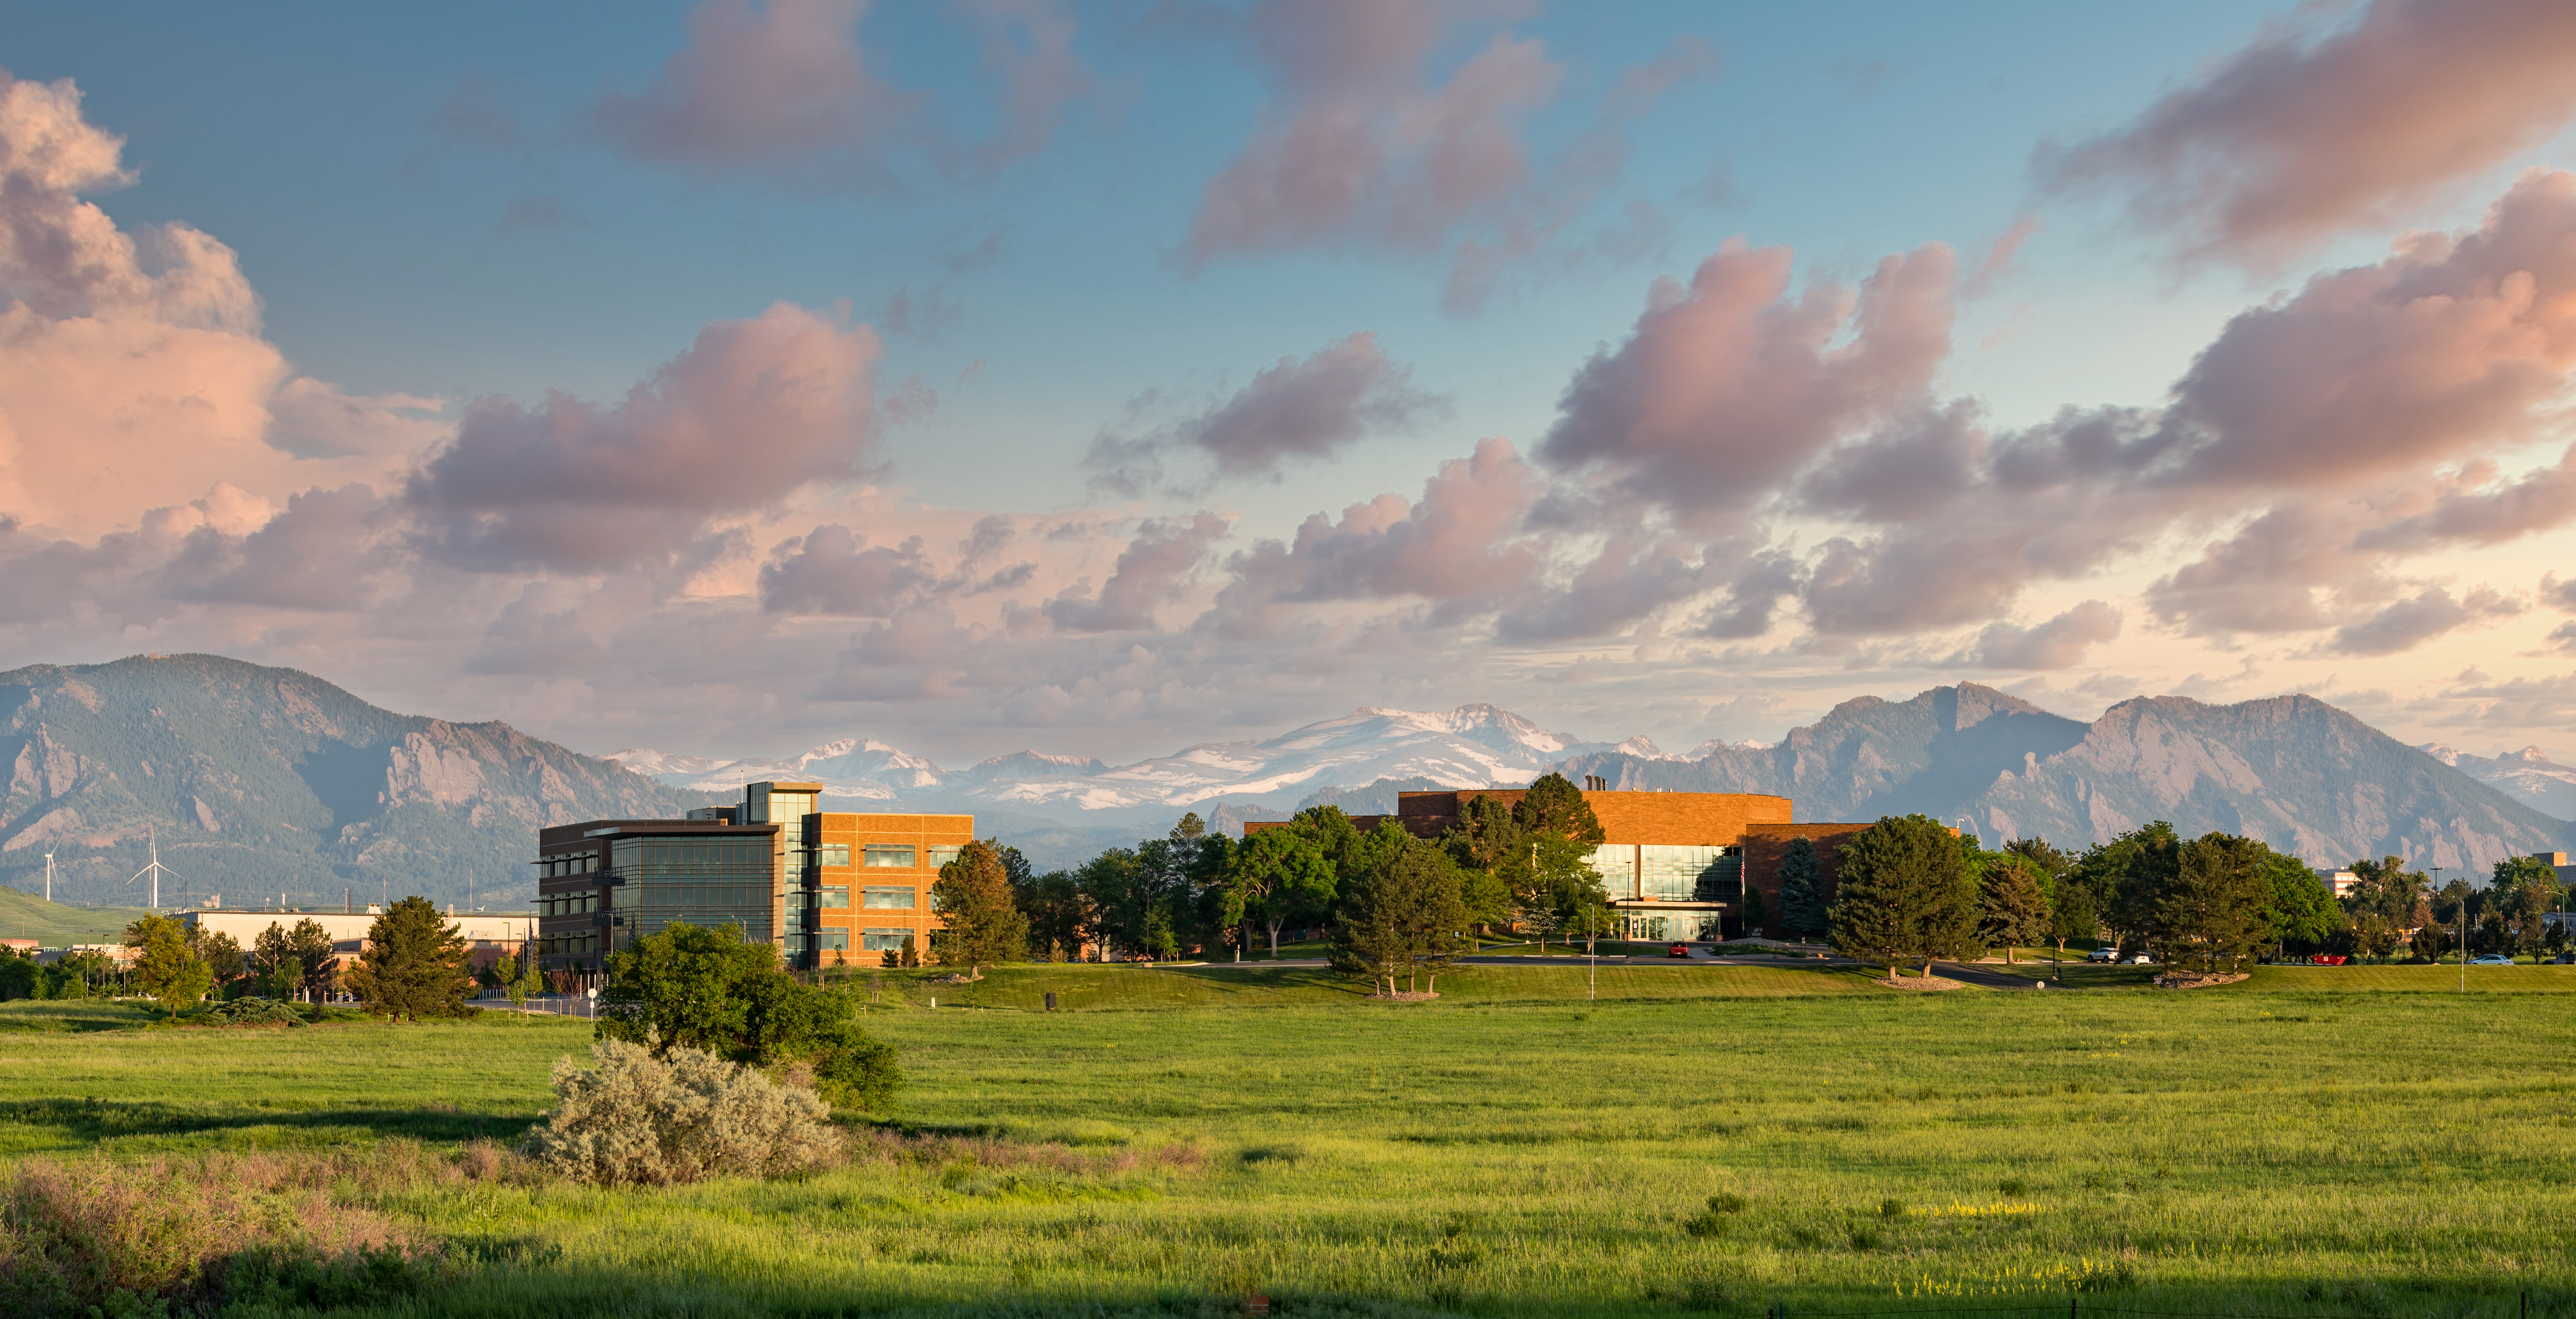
column 1672, row 891
column 825, row 888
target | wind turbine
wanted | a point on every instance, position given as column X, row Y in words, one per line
column 49, row 876
column 156, row 870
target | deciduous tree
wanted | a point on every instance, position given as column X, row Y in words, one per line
column 707, row 989
column 1278, row 875
column 165, row 967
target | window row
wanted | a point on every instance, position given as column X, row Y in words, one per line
column 567, row 863
column 885, row 941
column 566, row 945
column 569, row 904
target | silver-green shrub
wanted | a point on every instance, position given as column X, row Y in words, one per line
column 637, row 1120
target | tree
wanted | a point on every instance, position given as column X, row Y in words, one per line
column 2297, row 906
column 308, row 945
column 2524, row 892
column 1802, row 892
column 520, row 988
column 19, row 976
column 2053, row 863
column 165, row 967
column 283, row 978
column 1559, row 831
column 414, row 964
column 2128, row 876
column 2011, row 908
column 1906, row 894
column 983, row 926
column 704, row 988
column 1059, row 916
column 221, row 953
column 1399, row 914
column 2072, row 914
column 1278, row 874
column 2210, row 916
column 1756, row 915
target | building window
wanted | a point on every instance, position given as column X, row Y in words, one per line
column 940, row 856
column 890, row 854
column 836, row 897
column 832, row 854
column 832, row 940
column 883, row 941
column 1673, row 873
column 898, row 898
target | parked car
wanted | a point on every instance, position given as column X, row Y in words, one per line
column 2142, row 960
column 1680, row 950
column 2491, row 959
column 2567, row 958
column 2103, row 955
column 2330, row 959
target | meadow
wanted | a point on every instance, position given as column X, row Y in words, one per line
column 2332, row 1141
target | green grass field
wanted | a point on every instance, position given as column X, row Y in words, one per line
column 2323, row 1141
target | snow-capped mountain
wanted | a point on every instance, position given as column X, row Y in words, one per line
column 2528, row 776
column 850, row 767
column 1473, row 745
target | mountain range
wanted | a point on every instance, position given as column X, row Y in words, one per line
column 2293, row 770
column 255, row 782
column 2528, row 776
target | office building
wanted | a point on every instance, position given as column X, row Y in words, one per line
column 826, row 888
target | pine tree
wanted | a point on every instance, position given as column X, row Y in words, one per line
column 1399, row 915
column 2210, row 916
column 2011, row 907
column 983, row 927
column 1802, row 891
column 414, row 966
column 1906, row 895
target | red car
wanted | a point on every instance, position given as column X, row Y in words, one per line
column 1680, row 950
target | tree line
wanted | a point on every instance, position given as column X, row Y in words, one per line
column 1912, row 890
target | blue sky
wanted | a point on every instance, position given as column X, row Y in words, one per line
column 439, row 205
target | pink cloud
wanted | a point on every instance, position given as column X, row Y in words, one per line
column 2307, row 132
column 133, row 374
column 1358, row 142
column 753, row 411
column 1727, row 388
column 779, row 89
column 1154, row 572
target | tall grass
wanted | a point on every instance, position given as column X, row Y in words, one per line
column 2254, row 1149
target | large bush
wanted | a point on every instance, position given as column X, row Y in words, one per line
column 705, row 988
column 646, row 1120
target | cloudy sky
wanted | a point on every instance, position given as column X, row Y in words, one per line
column 984, row 374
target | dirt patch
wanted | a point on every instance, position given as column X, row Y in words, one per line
column 2195, row 980
column 1926, row 983
column 1410, row 996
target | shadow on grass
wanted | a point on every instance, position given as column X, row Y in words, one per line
column 93, row 1120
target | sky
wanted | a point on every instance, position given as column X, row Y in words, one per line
column 976, row 375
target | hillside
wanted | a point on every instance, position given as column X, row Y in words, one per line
column 263, row 781
column 2292, row 770
column 29, row 916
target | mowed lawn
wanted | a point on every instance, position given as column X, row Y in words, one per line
column 2335, row 1141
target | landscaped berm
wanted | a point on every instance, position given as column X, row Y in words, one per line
column 2326, row 1142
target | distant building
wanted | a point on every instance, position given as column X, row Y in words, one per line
column 824, row 887
column 2338, row 882
column 1677, row 864
column 487, row 934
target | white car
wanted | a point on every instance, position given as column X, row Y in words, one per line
column 2103, row 955
column 2142, row 960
